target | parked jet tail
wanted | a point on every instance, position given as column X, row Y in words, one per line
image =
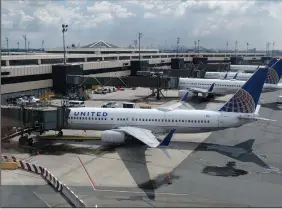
column 245, row 100
column 271, row 62
column 275, row 72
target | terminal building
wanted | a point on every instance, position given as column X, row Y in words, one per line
column 31, row 73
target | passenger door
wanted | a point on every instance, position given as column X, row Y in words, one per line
column 220, row 121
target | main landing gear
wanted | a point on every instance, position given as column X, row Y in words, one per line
column 26, row 139
column 60, row 133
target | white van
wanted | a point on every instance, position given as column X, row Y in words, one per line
column 76, row 103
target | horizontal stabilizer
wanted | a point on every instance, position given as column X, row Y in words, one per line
column 254, row 118
column 257, row 109
column 265, row 119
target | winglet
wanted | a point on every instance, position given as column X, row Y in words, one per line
column 211, row 88
column 167, row 139
column 184, row 98
column 235, row 76
column 225, row 76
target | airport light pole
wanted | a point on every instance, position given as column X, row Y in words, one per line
column 140, row 35
column 236, row 42
column 178, row 39
column 64, row 29
column 24, row 36
column 18, row 45
column 198, row 48
column 273, row 48
column 7, row 45
column 195, row 42
column 28, row 43
column 226, row 48
column 42, row 43
column 247, row 48
column 268, row 44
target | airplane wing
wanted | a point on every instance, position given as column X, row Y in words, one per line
column 176, row 105
column 201, row 90
column 146, row 136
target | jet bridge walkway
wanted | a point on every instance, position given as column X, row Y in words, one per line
column 20, row 120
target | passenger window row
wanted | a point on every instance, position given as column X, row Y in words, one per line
column 86, row 118
column 171, row 120
column 204, row 84
column 143, row 119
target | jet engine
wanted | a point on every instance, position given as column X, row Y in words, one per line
column 113, row 137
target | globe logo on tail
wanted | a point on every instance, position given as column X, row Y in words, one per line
column 242, row 102
column 272, row 76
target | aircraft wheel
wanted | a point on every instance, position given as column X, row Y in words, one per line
column 30, row 141
column 60, row 133
column 21, row 140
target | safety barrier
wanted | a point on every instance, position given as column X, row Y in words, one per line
column 50, row 178
column 73, row 197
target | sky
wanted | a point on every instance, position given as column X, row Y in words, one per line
column 161, row 22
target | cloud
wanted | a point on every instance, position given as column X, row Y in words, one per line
column 149, row 15
column 161, row 21
column 110, row 8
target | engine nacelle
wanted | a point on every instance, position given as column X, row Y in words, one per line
column 113, row 137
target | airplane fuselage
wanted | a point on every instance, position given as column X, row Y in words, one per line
column 230, row 75
column 249, row 68
column 184, row 121
column 221, row 86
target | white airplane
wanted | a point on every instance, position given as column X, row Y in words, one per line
column 234, row 75
column 249, row 68
column 119, row 125
column 213, row 87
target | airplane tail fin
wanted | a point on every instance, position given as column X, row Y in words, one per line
column 271, row 62
column 245, row 100
column 275, row 72
column 235, row 76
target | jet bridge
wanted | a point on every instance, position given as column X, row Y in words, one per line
column 18, row 121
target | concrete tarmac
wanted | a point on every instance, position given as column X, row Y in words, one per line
column 23, row 189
